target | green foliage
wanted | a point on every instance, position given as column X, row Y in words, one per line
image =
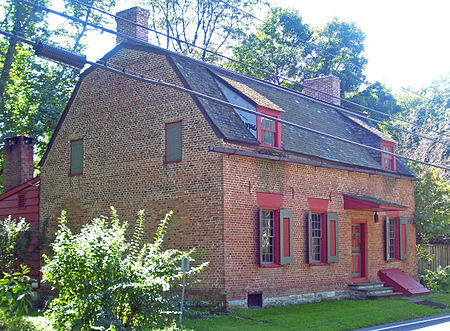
column 34, row 92
column 277, row 47
column 340, row 53
column 283, row 45
column 106, row 280
column 378, row 97
column 429, row 108
column 15, row 292
column 14, row 239
column 432, row 199
column 438, row 280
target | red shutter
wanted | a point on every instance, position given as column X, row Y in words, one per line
column 286, row 240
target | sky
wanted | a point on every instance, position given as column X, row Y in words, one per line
column 407, row 41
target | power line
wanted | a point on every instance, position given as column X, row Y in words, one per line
column 334, row 55
column 272, row 74
column 420, row 96
column 137, row 40
column 226, row 103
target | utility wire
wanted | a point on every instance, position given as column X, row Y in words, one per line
column 334, row 55
column 140, row 41
column 420, row 96
column 123, row 72
column 268, row 72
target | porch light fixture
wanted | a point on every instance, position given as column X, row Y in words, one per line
column 375, row 218
column 59, row 55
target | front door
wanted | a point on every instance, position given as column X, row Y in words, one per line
column 356, row 250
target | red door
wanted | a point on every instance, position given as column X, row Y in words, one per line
column 356, row 250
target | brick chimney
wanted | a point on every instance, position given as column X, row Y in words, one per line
column 137, row 15
column 18, row 166
column 330, row 84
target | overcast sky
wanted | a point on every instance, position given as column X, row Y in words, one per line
column 407, row 41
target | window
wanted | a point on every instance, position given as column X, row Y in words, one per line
column 267, row 236
column 276, row 246
column 391, row 239
column 173, row 150
column 396, row 240
column 268, row 130
column 76, row 157
column 21, row 201
column 322, row 238
column 388, row 161
column 316, row 237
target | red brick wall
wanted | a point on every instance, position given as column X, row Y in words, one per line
column 18, row 166
column 122, row 123
column 243, row 177
column 330, row 84
column 213, row 195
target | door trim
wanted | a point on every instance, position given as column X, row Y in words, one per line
column 364, row 259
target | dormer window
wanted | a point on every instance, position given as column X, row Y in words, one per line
column 269, row 131
column 388, row 161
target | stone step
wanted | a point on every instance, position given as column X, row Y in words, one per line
column 368, row 285
column 376, row 289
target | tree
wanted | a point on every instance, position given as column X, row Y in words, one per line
column 432, row 199
column 212, row 24
column 428, row 108
column 278, row 47
column 33, row 92
column 375, row 96
column 339, row 51
column 284, row 45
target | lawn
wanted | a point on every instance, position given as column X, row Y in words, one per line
column 341, row 315
column 329, row 315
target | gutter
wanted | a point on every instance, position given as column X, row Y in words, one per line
column 258, row 155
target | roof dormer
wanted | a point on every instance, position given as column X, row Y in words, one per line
column 388, row 161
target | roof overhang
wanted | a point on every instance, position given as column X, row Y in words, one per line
column 370, row 204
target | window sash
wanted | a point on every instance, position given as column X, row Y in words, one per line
column 268, row 131
column 316, row 237
column 268, row 236
column 392, row 239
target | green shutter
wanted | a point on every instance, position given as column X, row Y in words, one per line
column 332, row 238
column 309, row 241
column 173, row 142
column 260, row 219
column 76, row 157
column 403, row 238
column 286, row 237
column 386, row 238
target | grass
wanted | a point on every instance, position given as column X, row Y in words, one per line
column 329, row 315
column 341, row 315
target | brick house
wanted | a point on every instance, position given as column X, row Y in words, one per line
column 282, row 214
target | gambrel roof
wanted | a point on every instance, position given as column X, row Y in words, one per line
column 294, row 107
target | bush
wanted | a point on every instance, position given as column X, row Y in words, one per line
column 14, row 240
column 106, row 281
column 438, row 280
column 15, row 293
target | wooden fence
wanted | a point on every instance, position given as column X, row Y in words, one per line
column 440, row 255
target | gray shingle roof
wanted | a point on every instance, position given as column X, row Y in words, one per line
column 296, row 108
